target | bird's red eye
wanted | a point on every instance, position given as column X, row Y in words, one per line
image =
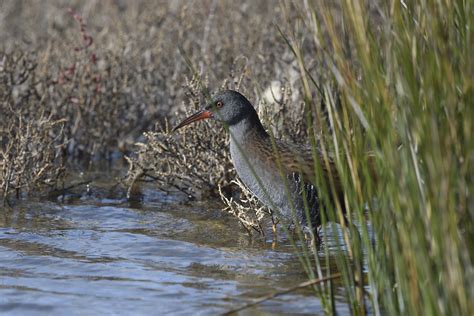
column 219, row 104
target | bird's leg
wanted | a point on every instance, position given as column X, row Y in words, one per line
column 313, row 237
column 291, row 228
column 275, row 222
column 274, row 244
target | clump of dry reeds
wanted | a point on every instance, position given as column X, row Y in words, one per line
column 193, row 161
column 248, row 209
column 32, row 142
column 31, row 155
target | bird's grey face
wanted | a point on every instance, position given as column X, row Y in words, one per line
column 229, row 107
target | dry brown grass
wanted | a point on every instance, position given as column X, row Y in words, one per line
column 31, row 156
column 113, row 71
column 32, row 142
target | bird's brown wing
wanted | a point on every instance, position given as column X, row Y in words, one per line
column 300, row 159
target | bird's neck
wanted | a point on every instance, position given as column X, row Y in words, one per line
column 247, row 129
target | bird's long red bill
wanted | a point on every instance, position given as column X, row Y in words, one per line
column 201, row 115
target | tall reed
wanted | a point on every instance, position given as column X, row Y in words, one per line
column 403, row 78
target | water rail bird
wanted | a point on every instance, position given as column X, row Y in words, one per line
column 279, row 174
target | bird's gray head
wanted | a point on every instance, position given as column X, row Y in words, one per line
column 228, row 106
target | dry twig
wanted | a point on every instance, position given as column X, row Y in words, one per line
column 279, row 293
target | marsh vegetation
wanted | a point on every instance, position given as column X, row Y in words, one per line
column 83, row 83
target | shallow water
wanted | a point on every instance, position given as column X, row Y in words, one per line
column 93, row 255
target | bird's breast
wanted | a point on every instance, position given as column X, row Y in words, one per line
column 260, row 174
